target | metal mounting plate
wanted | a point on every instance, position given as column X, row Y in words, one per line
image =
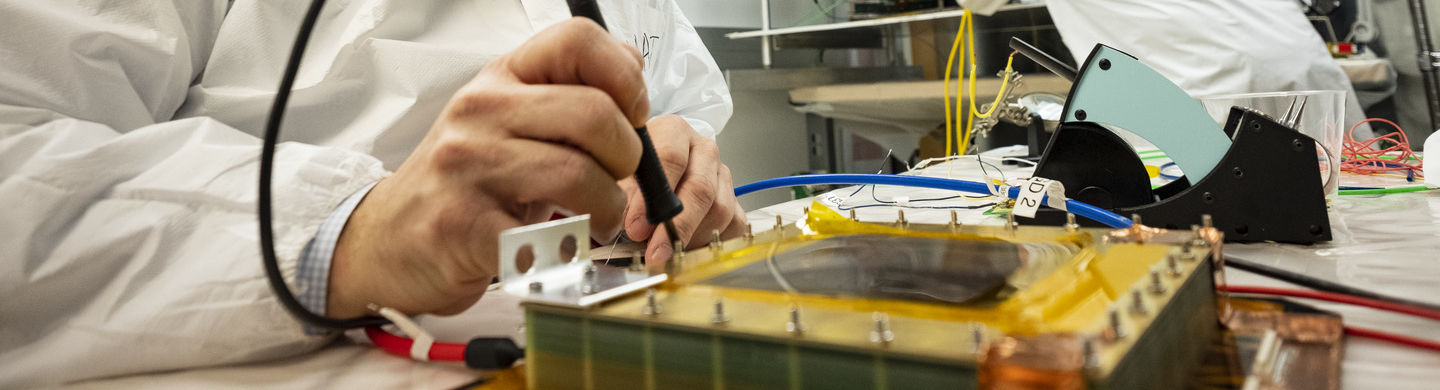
column 555, row 280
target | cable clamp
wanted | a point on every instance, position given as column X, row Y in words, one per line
column 420, row 349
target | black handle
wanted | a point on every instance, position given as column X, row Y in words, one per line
column 661, row 204
column 1044, row 59
column 587, row 9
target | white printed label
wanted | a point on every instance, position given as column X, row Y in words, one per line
column 832, row 200
column 1031, row 195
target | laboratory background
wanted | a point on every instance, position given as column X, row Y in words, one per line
column 930, row 194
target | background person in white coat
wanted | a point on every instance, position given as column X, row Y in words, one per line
column 129, row 152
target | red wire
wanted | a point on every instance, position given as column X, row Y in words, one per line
column 1361, row 158
column 1353, row 300
column 400, row 346
column 1393, row 338
column 1339, row 298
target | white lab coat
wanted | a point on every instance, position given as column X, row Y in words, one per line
column 129, row 146
column 1212, row 47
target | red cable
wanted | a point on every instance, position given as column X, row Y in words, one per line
column 400, row 346
column 1393, row 338
column 1353, row 300
column 1339, row 298
column 1360, row 158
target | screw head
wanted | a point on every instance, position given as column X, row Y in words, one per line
column 1104, row 64
column 1080, row 115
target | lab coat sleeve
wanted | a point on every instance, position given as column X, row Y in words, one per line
column 128, row 240
column 685, row 80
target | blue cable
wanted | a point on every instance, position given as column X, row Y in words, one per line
column 1094, row 213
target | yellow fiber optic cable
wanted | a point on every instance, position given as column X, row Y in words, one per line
column 949, row 122
column 1004, row 83
column 969, row 56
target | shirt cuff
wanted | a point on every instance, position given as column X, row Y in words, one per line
column 312, row 276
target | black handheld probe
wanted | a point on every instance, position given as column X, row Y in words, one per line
column 661, row 204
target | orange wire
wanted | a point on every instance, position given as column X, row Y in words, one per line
column 1360, row 157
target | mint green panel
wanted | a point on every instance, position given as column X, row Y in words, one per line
column 1134, row 97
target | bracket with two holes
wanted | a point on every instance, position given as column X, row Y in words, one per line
column 560, row 271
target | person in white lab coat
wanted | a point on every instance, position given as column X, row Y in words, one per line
column 129, row 147
column 1212, row 47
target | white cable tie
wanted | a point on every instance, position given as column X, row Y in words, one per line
column 420, row 349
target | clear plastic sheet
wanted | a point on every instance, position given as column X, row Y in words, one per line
column 898, row 267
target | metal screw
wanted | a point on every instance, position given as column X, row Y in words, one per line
column 1092, row 353
column 779, row 223
column 882, row 334
column 635, row 264
column 794, row 326
column 977, row 336
column 852, row 215
column 1157, row 286
column 901, row 219
column 1172, row 266
column 536, row 287
column 1137, row 303
column 651, row 308
column 1070, row 225
column 1206, row 222
column 749, row 234
column 1010, row 221
column 719, row 317
column 1117, row 328
column 954, row 219
column 587, row 286
column 1136, row 218
column 715, row 244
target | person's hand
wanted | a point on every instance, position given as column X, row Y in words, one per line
column 548, row 125
column 692, row 164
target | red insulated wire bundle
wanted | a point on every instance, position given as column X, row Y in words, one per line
column 1360, row 156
